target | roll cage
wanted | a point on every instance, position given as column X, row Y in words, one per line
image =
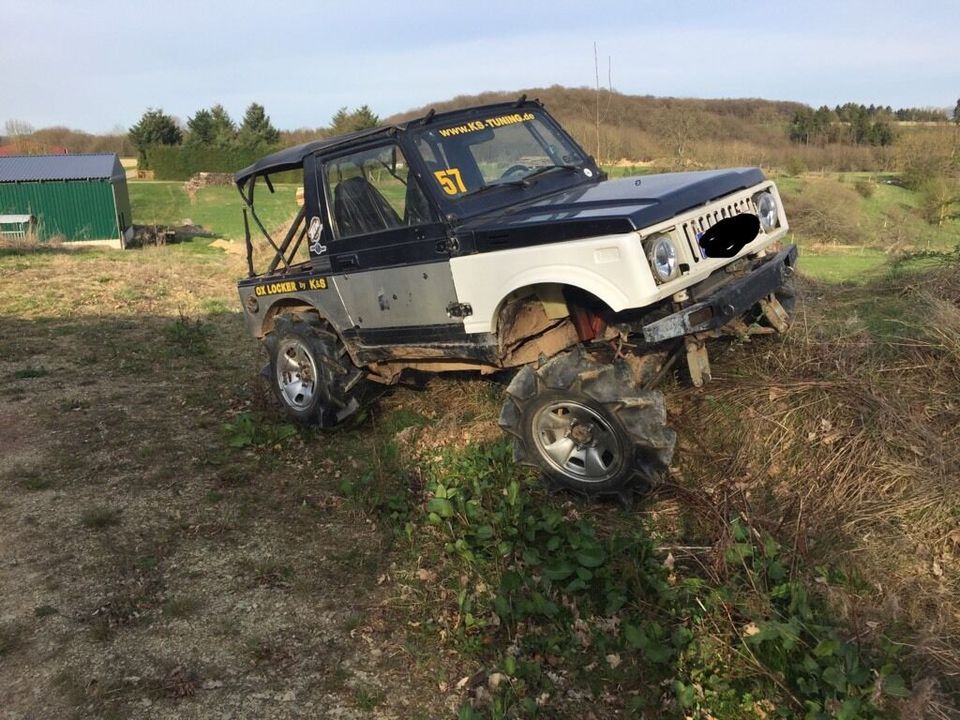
column 445, row 195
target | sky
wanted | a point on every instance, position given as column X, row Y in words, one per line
column 98, row 65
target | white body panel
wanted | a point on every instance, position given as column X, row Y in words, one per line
column 614, row 268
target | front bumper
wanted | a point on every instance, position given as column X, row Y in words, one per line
column 728, row 302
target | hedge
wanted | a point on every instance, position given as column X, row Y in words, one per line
column 181, row 162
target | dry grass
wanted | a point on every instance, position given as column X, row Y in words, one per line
column 844, row 440
column 241, row 576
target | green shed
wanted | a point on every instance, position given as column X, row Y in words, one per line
column 75, row 198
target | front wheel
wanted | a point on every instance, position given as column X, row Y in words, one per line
column 310, row 373
column 588, row 426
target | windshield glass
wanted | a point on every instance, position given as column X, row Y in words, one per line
column 504, row 148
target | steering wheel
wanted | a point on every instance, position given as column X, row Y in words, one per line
column 513, row 170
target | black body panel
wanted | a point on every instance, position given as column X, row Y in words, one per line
column 608, row 207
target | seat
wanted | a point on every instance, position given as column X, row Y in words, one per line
column 416, row 206
column 359, row 208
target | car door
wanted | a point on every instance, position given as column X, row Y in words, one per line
column 389, row 252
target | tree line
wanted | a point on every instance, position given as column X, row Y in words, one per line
column 857, row 124
column 214, row 128
column 206, row 128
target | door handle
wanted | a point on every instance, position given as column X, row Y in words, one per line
column 347, row 261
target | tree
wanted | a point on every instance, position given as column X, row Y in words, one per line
column 344, row 121
column 956, row 113
column 880, row 133
column 154, row 128
column 256, row 128
column 680, row 124
column 939, row 196
column 200, row 129
column 801, row 126
column 18, row 132
column 224, row 129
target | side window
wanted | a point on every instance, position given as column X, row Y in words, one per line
column 372, row 191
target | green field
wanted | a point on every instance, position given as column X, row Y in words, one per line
column 887, row 220
column 218, row 209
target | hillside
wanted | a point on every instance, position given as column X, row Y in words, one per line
column 695, row 132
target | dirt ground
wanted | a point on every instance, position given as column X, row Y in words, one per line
column 159, row 560
column 147, row 568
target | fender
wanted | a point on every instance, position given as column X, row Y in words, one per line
column 612, row 267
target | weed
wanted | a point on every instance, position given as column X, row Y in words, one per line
column 249, row 430
column 368, row 699
column 73, row 404
column 42, row 611
column 35, row 481
column 99, row 518
column 216, row 306
column 181, row 607
column 603, row 607
column 188, row 337
column 30, row 372
column 270, row 573
column 272, row 651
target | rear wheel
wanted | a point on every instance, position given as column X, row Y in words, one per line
column 588, row 426
column 311, row 374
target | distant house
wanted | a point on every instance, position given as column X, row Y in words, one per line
column 74, row 198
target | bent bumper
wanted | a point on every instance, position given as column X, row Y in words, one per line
column 728, row 302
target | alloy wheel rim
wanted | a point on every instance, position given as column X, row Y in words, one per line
column 577, row 441
column 296, row 373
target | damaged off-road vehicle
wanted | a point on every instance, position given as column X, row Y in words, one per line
column 487, row 239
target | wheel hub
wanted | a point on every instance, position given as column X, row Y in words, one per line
column 581, row 433
column 578, row 441
column 296, row 373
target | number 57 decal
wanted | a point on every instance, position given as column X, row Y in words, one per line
column 451, row 181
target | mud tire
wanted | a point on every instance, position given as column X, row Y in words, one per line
column 311, row 374
column 621, row 445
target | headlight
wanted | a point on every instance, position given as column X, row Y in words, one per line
column 767, row 210
column 663, row 258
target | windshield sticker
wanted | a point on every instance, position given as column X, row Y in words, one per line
column 289, row 286
column 493, row 122
column 451, row 181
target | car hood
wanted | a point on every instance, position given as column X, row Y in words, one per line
column 607, row 207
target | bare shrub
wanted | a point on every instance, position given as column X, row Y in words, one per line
column 846, row 444
column 865, row 188
column 826, row 211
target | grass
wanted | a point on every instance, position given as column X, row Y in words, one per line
column 217, row 208
column 826, row 209
column 812, row 498
column 842, row 268
column 99, row 518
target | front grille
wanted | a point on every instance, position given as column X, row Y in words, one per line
column 700, row 224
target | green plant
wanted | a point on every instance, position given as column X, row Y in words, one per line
column 189, row 337
column 249, row 430
column 30, row 372
column 99, row 518
column 865, row 188
column 536, row 580
column 35, row 481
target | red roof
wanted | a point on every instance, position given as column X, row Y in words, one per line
column 29, row 147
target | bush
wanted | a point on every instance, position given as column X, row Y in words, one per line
column 182, row 162
column 865, row 188
column 826, row 211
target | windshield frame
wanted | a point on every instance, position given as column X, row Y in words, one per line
column 510, row 191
